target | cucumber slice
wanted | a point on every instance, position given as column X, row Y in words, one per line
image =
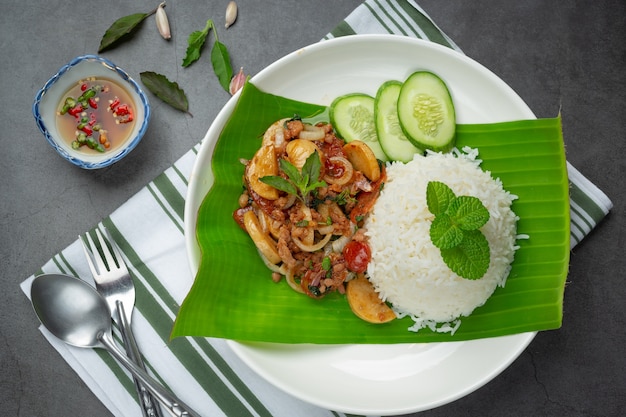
column 392, row 139
column 352, row 116
column 426, row 112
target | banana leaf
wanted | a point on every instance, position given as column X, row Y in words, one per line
column 233, row 296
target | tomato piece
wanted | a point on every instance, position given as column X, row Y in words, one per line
column 357, row 255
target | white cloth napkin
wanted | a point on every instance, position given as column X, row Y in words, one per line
column 205, row 373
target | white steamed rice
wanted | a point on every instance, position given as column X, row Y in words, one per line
column 407, row 269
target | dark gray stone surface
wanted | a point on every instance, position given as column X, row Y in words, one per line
column 567, row 55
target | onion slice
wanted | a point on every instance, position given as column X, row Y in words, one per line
column 311, row 132
column 345, row 177
column 324, row 230
column 272, row 267
column 311, row 248
column 291, row 280
column 340, row 243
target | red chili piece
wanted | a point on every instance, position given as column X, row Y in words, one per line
column 122, row 110
column 76, row 110
column 93, row 103
column 357, row 255
column 130, row 117
column 114, row 104
column 83, row 87
column 88, row 130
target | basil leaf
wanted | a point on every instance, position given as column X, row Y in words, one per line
column 119, row 30
column 166, row 90
column 292, row 172
column 195, row 42
column 221, row 64
column 280, row 184
column 311, row 167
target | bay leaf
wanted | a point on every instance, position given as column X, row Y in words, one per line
column 221, row 64
column 166, row 90
column 121, row 29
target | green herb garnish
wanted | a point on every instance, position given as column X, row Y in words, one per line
column 220, row 58
column 122, row 29
column 326, row 264
column 195, row 42
column 300, row 184
column 166, row 90
column 343, row 197
column 455, row 230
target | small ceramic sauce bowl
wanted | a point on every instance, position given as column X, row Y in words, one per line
column 52, row 94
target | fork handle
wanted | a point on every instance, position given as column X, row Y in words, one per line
column 169, row 400
column 149, row 407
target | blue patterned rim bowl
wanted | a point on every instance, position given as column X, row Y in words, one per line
column 48, row 98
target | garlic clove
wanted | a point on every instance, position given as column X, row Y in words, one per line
column 163, row 24
column 237, row 82
column 231, row 14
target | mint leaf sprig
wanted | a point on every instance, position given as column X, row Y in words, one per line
column 299, row 183
column 454, row 230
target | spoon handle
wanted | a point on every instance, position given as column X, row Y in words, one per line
column 173, row 404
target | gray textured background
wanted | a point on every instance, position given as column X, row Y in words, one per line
column 567, row 55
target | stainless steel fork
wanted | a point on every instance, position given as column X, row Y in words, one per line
column 115, row 284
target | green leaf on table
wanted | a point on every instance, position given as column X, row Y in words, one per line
column 120, row 29
column 166, row 90
column 195, row 42
column 221, row 64
column 220, row 58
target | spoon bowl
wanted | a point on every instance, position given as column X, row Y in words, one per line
column 77, row 314
column 70, row 309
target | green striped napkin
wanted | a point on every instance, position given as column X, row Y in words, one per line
column 205, row 373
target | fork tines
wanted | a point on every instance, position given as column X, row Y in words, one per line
column 114, row 261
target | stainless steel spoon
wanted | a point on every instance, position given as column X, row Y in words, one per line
column 75, row 313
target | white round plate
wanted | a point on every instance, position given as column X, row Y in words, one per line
column 371, row 379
